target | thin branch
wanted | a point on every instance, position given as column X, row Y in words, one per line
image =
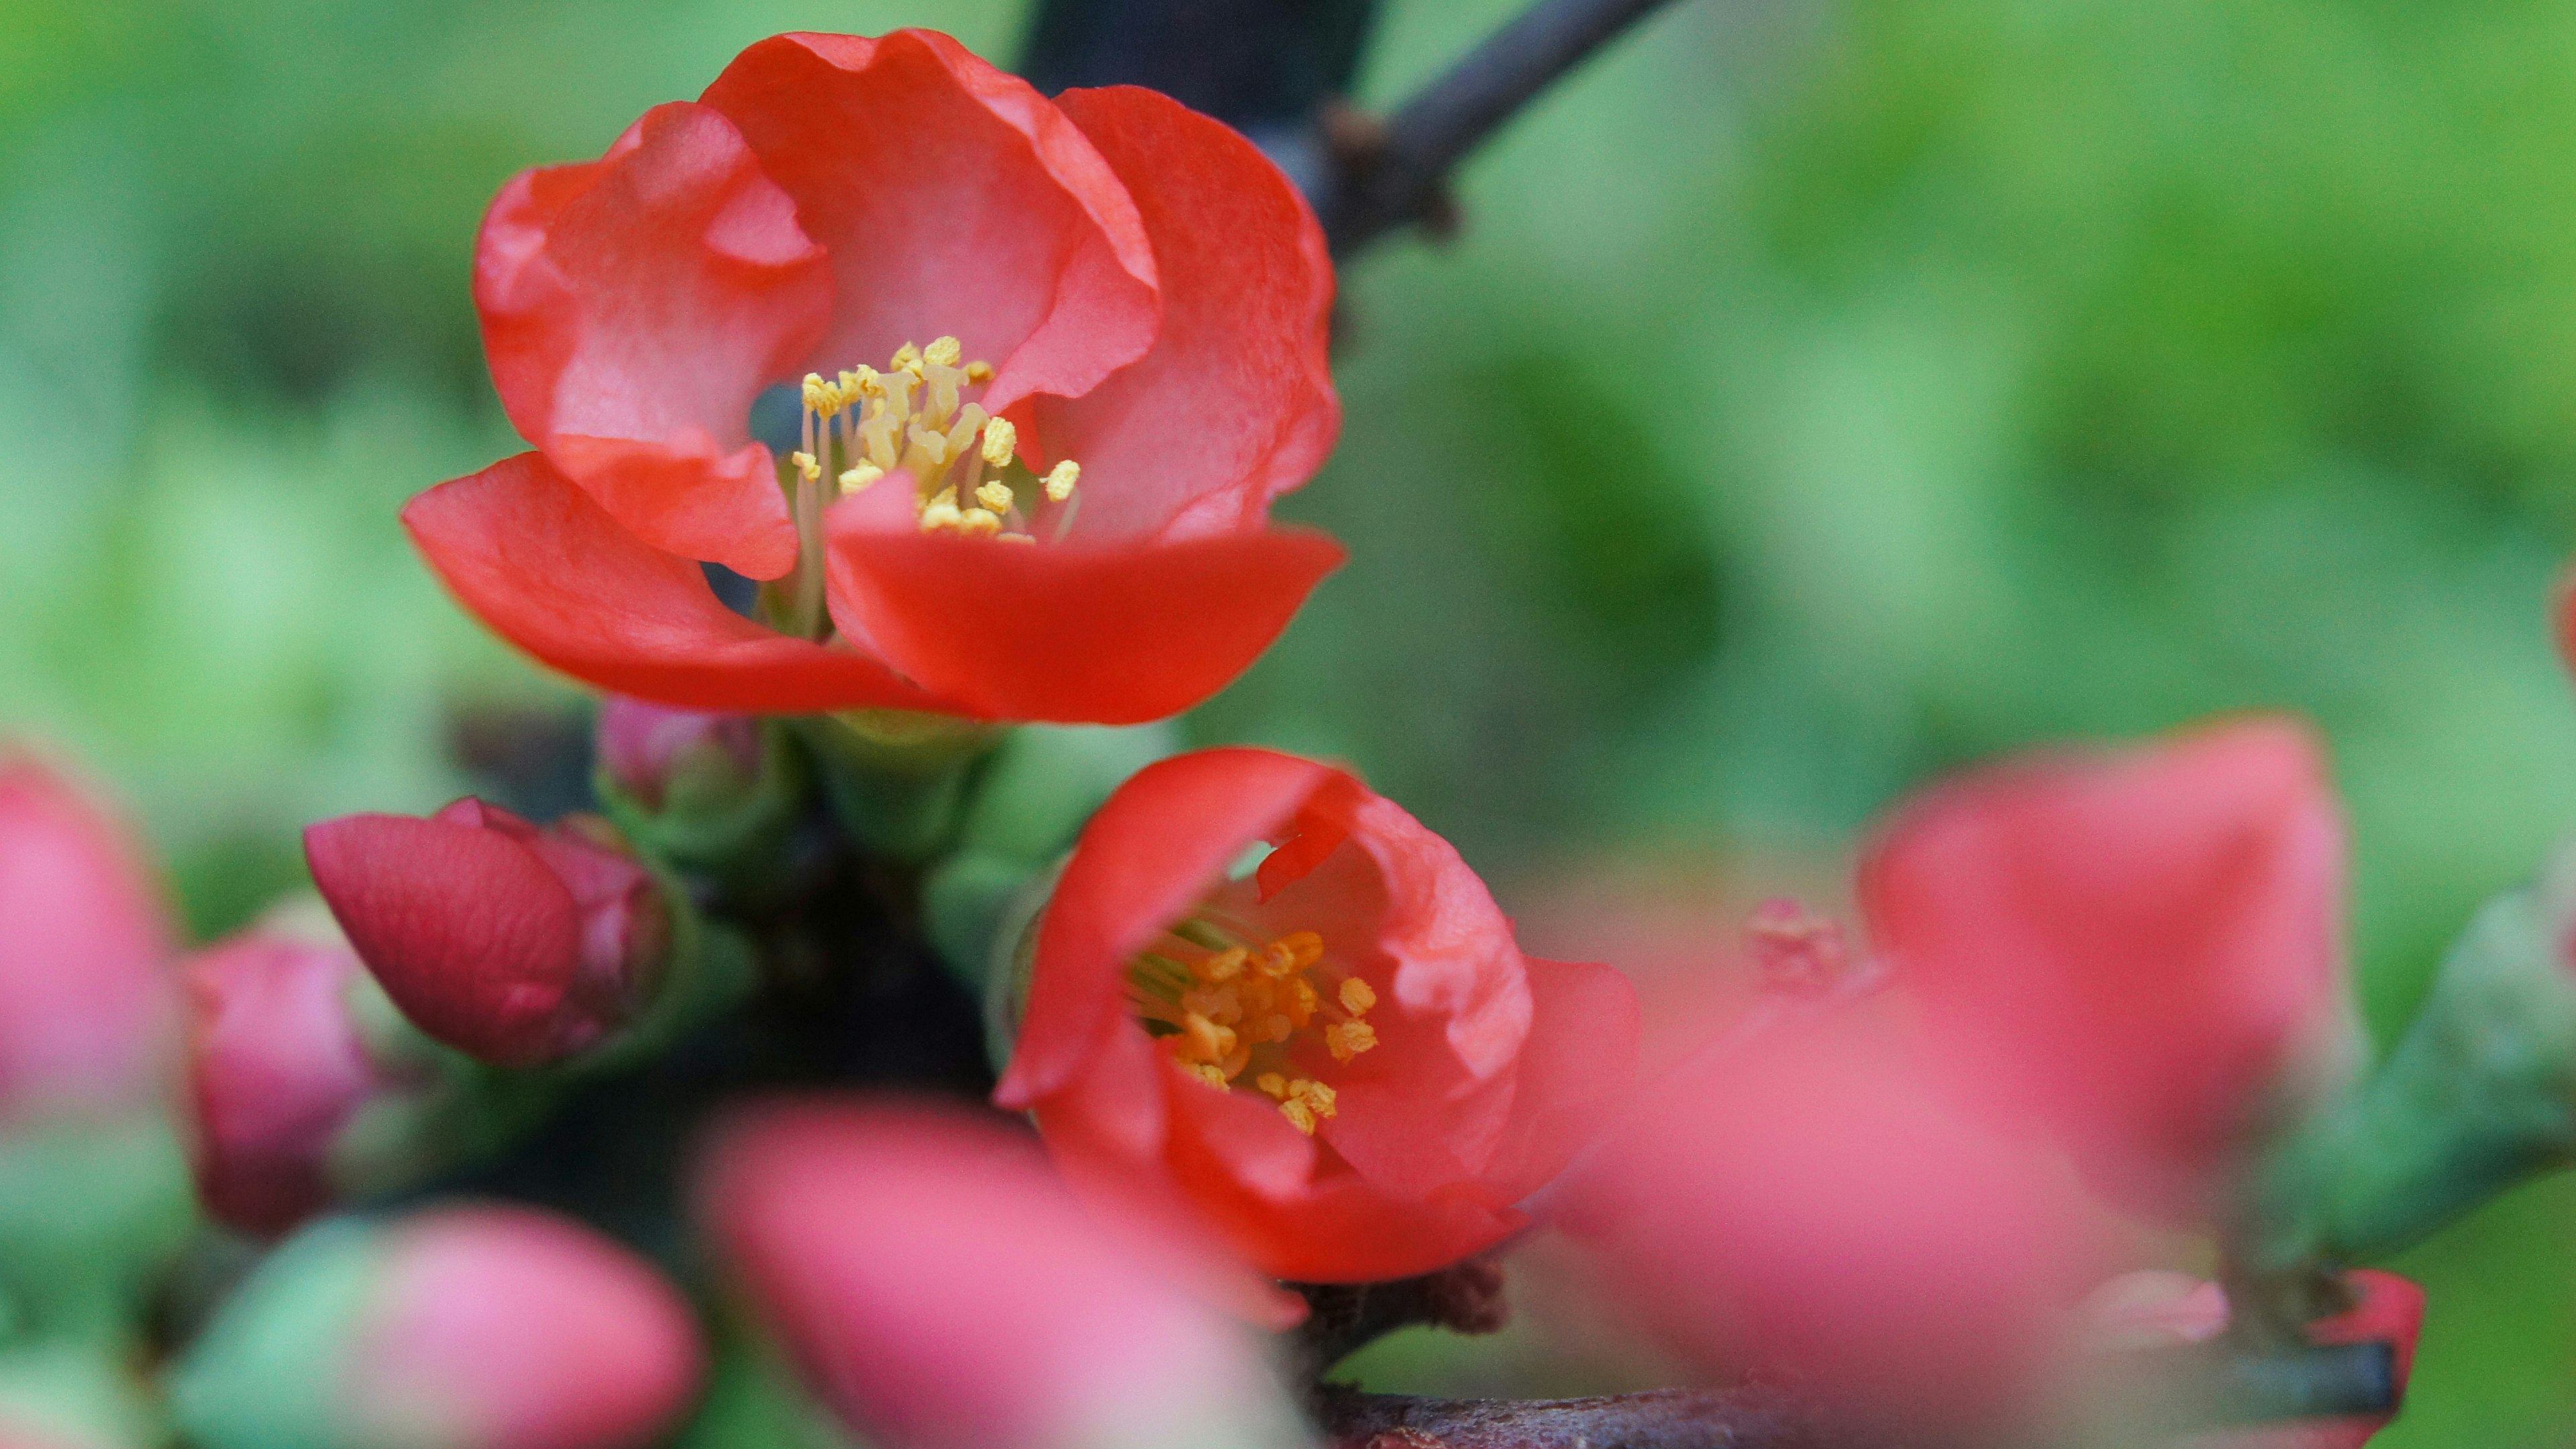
column 1344, row 1317
column 1748, row 1418
column 1399, row 176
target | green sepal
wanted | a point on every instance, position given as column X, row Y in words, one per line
column 264, row 1373
column 897, row 781
column 714, row 823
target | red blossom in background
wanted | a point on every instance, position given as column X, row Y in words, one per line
column 1343, row 1062
column 1152, row 292
column 85, row 992
column 1810, row 1198
column 276, row 1070
column 940, row 1289
column 510, row 943
column 2141, row 949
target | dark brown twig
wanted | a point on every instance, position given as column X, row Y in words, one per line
column 1344, row 1317
column 1749, row 1418
column 1401, row 177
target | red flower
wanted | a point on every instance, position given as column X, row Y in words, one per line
column 509, row 943
column 941, row 1290
column 84, row 987
column 1153, row 296
column 1343, row 1062
column 276, row 1070
column 2145, row 945
column 1809, row 1197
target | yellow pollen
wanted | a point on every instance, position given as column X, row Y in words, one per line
column 1225, row 965
column 1316, row 1095
column 979, row 372
column 1299, row 1115
column 1272, row 1085
column 979, row 523
column 1349, row 1039
column 944, row 352
column 907, row 358
column 996, row 496
column 1001, row 439
column 1357, row 998
column 806, row 467
column 941, row 513
column 1060, row 480
column 1213, row 1076
column 858, row 478
column 1207, row 1041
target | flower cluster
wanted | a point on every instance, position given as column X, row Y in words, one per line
column 989, row 395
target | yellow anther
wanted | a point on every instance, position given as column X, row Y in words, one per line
column 1205, row 1040
column 1305, row 946
column 1349, row 1039
column 1277, row 961
column 857, row 479
column 866, row 381
column 1324, row 1100
column 995, row 495
column 907, row 358
column 979, row 372
column 941, row 512
column 1357, row 998
column 1001, row 439
column 979, row 523
column 943, row 352
column 1060, row 480
column 1272, row 1085
column 1225, row 965
column 1208, row 1074
column 806, row 467
column 1299, row 1115
column 1301, row 1002
column 817, row 393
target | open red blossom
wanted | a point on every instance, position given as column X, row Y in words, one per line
column 84, row 986
column 940, row 1289
column 1342, row 1060
column 1101, row 321
column 510, row 943
column 2143, row 946
column 276, row 1070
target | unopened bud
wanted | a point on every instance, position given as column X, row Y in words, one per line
column 512, row 944
column 475, row 1327
column 677, row 758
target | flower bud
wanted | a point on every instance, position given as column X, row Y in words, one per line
column 279, row 1070
column 515, row 945
column 466, row 1328
column 83, row 992
column 677, row 759
column 938, row 1288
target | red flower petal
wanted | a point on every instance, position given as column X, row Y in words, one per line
column 83, row 994
column 2136, row 942
column 1070, row 632
column 1575, row 1073
column 540, row 563
column 275, row 1070
column 1234, row 405
column 955, row 201
column 633, row 307
column 1147, row 857
column 465, row 928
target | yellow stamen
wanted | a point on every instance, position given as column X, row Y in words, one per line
column 1001, row 439
column 1060, row 480
column 1208, row 1074
column 1272, row 1085
column 941, row 512
column 857, row 479
column 1357, row 998
column 907, row 358
column 1207, row 1041
column 1225, row 965
column 1299, row 1115
column 806, row 467
column 1349, row 1039
column 995, row 495
column 943, row 352
column 979, row 523
column 1316, row 1095
column 979, row 372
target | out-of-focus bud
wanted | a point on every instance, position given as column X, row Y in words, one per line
column 2478, row 1095
column 73, row 1394
column 515, row 945
column 1806, row 1200
column 716, row 793
column 84, row 993
column 2138, row 1313
column 2140, row 949
column 461, row 1328
column 281, row 1072
column 939, row 1289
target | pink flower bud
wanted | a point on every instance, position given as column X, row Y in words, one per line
column 505, row 1328
column 83, row 990
column 276, row 1069
column 516, row 945
column 941, row 1290
column 648, row 749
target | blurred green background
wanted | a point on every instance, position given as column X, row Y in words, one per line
column 1822, row 393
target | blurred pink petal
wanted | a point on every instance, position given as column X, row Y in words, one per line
column 84, row 989
column 941, row 1290
column 2139, row 948
column 508, row 1328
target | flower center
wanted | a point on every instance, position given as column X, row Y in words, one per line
column 914, row 417
column 1229, row 1010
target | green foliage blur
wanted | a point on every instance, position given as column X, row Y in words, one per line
column 1822, row 393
